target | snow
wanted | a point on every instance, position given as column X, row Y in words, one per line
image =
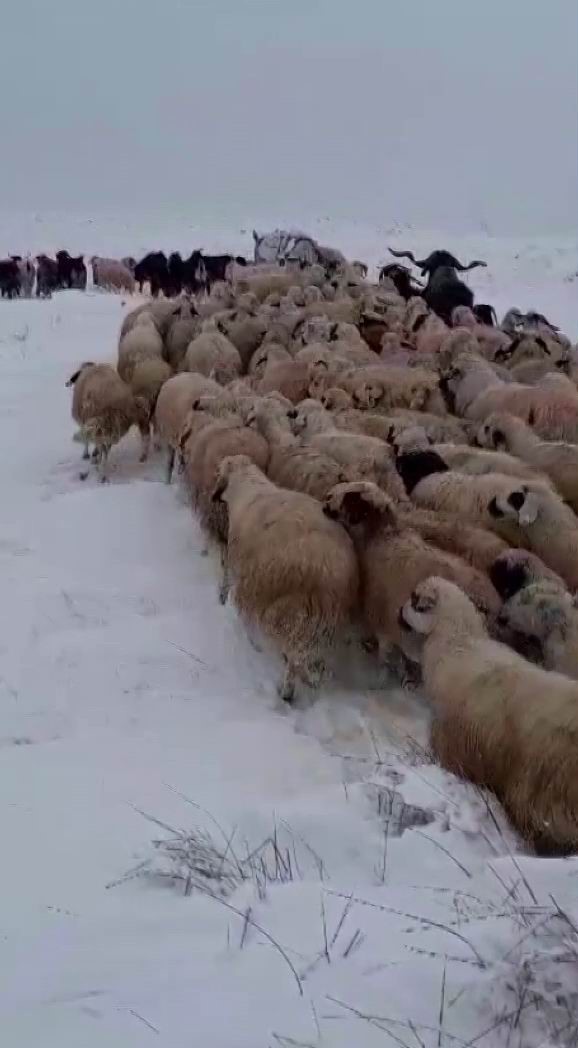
column 390, row 902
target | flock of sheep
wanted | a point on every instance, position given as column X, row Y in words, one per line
column 360, row 463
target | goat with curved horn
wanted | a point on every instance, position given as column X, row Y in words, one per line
column 437, row 259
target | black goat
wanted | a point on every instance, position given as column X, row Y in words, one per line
column 444, row 290
column 401, row 278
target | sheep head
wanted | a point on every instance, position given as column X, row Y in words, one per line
column 229, row 467
column 521, row 505
column 360, row 506
column 435, row 602
column 492, row 433
column 538, row 613
column 516, row 568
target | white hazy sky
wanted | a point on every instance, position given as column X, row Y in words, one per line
column 448, row 113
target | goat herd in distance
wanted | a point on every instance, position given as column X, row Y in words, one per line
column 173, row 276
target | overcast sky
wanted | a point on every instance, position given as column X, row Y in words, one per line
column 437, row 112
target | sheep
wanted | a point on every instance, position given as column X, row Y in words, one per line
column 246, row 332
column 369, row 457
column 438, row 428
column 475, row 461
column 393, row 558
column 175, row 400
column 184, row 326
column 542, row 619
column 105, row 408
column 548, row 527
column 112, row 275
column 291, row 465
column 500, row 722
column 463, row 316
column 146, row 382
column 477, row 546
column 300, row 585
column 382, row 388
column 459, row 341
column 429, row 336
column 558, row 461
column 269, row 353
column 142, row 342
column 161, row 311
column 432, row 485
column 211, row 351
column 466, row 378
column 551, row 408
column 292, row 378
column 205, row 443
column 513, row 569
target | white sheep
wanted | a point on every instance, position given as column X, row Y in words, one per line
column 105, row 409
column 175, row 400
column 500, row 721
column 369, row 457
column 112, row 275
column 432, row 485
column 558, row 461
column 212, row 353
column 290, row 464
column 547, row 526
column 513, row 569
column 543, row 618
column 393, row 558
column 293, row 571
column 141, row 343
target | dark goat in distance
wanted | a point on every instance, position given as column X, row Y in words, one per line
column 9, row 278
column 400, row 276
column 444, row 290
column 154, row 268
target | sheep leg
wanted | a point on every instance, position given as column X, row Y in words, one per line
column 170, row 465
column 225, row 579
column 407, row 672
column 286, row 686
column 145, row 436
column 95, row 457
column 103, row 465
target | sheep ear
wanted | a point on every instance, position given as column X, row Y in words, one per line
column 73, row 378
column 529, row 511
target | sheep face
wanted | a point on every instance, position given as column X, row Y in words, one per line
column 510, row 572
column 360, row 507
column 490, row 435
column 228, row 468
column 516, row 568
column 418, row 614
column 521, row 505
column 538, row 613
column 437, row 603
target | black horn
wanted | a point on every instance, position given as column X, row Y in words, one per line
column 406, row 254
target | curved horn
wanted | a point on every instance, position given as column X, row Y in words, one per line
column 405, row 254
column 472, row 265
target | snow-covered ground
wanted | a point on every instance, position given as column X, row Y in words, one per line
column 333, row 888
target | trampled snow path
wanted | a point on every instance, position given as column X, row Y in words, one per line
column 393, row 905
